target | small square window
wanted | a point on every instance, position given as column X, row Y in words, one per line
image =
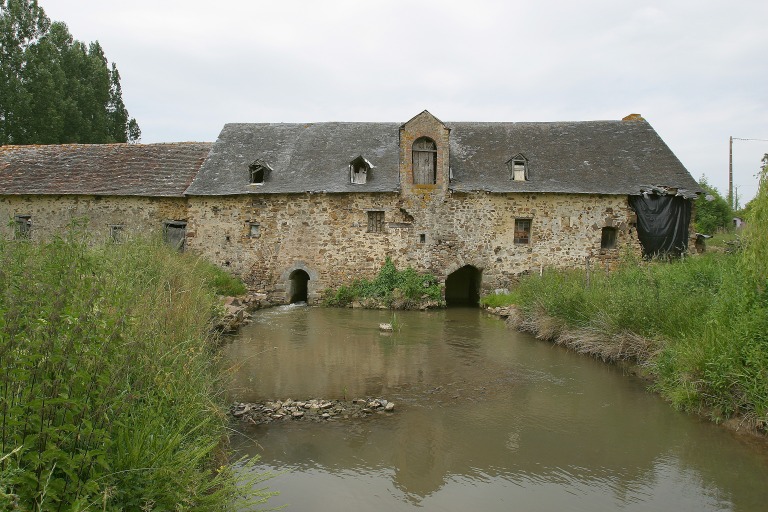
column 422, row 238
column 522, row 231
column 254, row 230
column 608, row 238
column 375, row 222
column 22, row 227
column 117, row 233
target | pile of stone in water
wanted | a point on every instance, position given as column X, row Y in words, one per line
column 309, row 410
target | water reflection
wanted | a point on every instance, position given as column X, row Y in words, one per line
column 487, row 419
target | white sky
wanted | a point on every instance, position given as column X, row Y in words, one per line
column 696, row 70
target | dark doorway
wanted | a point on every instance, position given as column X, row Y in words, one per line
column 299, row 285
column 462, row 288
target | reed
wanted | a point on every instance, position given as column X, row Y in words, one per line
column 110, row 397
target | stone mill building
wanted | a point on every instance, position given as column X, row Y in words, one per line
column 298, row 208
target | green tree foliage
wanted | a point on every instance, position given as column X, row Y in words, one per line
column 712, row 211
column 53, row 88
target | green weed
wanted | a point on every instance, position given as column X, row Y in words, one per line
column 109, row 397
column 397, row 289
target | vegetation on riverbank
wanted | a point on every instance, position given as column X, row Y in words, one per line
column 109, row 395
column 392, row 288
column 698, row 326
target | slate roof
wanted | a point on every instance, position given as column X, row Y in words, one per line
column 605, row 157
column 154, row 170
column 311, row 157
column 588, row 157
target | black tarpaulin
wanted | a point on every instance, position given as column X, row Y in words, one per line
column 662, row 223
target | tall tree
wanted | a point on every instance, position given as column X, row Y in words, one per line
column 53, row 88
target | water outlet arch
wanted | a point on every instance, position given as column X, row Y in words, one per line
column 462, row 286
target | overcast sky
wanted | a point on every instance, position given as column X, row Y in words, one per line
column 696, row 70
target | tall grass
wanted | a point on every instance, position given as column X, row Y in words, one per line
column 108, row 397
column 698, row 325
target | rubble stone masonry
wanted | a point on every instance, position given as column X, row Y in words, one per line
column 51, row 215
column 264, row 238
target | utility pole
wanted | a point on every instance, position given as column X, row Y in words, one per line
column 730, row 171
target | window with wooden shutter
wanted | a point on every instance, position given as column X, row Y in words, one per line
column 358, row 170
column 375, row 221
column 22, row 227
column 424, row 161
column 518, row 167
column 522, row 231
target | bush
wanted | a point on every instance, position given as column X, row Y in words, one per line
column 391, row 288
column 221, row 281
column 109, row 394
column 713, row 213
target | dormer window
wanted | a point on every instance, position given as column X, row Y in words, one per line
column 518, row 167
column 424, row 161
column 358, row 170
column 259, row 172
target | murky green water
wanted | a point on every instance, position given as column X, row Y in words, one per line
column 487, row 419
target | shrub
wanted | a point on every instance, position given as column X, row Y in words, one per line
column 221, row 281
column 390, row 287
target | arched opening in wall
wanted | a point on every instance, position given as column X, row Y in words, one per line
column 462, row 287
column 424, row 155
column 299, row 286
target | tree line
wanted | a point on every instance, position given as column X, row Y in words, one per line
column 55, row 89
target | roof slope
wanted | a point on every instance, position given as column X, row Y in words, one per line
column 311, row 157
column 606, row 157
column 159, row 170
column 589, row 157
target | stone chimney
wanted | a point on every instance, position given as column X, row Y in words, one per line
column 633, row 117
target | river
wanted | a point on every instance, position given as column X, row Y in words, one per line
column 486, row 419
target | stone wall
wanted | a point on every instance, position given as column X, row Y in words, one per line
column 264, row 238
column 52, row 215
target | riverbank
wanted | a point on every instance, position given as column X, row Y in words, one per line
column 695, row 328
column 110, row 394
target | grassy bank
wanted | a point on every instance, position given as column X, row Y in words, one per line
column 109, row 398
column 698, row 326
column 391, row 288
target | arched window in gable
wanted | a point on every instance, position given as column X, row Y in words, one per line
column 424, row 161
